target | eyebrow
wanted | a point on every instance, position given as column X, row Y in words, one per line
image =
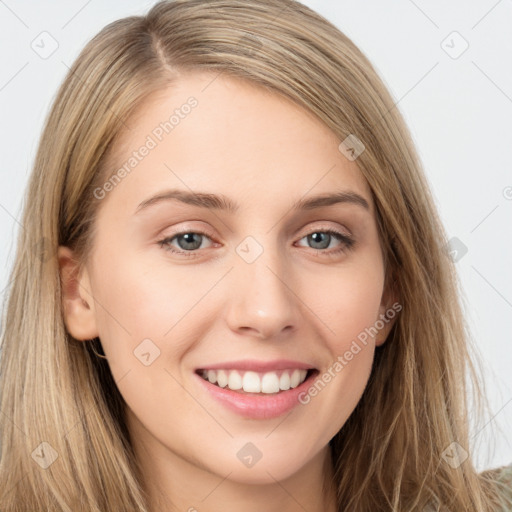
column 222, row 202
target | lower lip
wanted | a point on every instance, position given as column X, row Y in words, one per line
column 261, row 406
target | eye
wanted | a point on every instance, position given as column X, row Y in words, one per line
column 321, row 239
column 189, row 242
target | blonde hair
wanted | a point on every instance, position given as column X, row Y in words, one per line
column 55, row 390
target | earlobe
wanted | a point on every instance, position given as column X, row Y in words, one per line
column 388, row 312
column 386, row 323
column 77, row 303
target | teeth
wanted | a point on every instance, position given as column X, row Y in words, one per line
column 253, row 382
column 222, row 378
column 295, row 379
column 270, row 383
column 234, row 380
column 284, row 381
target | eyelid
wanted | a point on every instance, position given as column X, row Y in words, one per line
column 186, row 228
column 206, row 231
column 327, row 227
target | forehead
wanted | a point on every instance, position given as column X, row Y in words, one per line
column 229, row 136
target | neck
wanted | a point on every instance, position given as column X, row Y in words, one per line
column 173, row 483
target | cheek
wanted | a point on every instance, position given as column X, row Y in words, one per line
column 347, row 302
column 135, row 302
column 348, row 307
column 141, row 324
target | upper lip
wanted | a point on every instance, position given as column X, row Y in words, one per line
column 258, row 366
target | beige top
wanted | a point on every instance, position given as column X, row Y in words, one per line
column 504, row 476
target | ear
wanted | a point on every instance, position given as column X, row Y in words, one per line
column 77, row 303
column 388, row 312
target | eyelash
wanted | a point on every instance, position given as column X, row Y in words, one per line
column 347, row 243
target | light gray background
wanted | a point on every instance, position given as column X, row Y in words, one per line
column 458, row 107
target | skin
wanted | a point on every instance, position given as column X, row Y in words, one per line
column 293, row 302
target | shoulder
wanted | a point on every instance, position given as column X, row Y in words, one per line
column 503, row 476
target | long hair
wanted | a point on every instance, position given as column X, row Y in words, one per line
column 64, row 442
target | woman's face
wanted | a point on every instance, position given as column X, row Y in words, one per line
column 261, row 294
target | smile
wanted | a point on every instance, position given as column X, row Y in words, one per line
column 256, row 382
column 256, row 390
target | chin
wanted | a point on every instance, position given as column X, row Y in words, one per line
column 263, row 472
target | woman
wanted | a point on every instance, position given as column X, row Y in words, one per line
column 239, row 296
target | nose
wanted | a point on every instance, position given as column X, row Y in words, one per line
column 262, row 301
